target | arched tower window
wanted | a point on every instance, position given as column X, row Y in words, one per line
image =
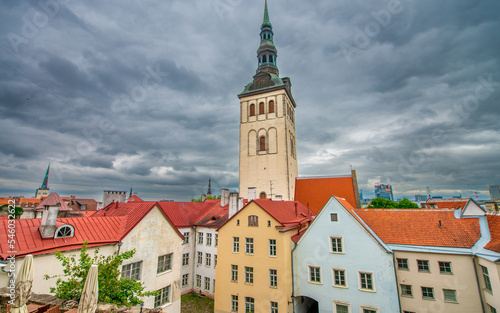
column 252, row 109
column 271, row 106
column 263, row 195
column 264, row 59
column 271, row 59
column 262, row 143
column 261, row 108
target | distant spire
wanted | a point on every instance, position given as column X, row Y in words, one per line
column 45, row 183
column 209, row 191
column 266, row 15
column 130, row 194
column 267, row 52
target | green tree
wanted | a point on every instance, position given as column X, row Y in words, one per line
column 407, row 204
column 18, row 211
column 381, row 203
column 112, row 287
column 201, row 197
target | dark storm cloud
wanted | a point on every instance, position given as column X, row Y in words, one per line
column 115, row 94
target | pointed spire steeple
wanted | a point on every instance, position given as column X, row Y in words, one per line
column 267, row 52
column 45, row 183
column 266, row 16
column 209, row 191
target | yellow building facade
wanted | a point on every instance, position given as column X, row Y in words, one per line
column 255, row 274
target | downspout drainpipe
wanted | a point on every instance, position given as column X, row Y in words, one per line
column 120, row 244
column 478, row 284
column 396, row 276
column 193, row 239
column 293, row 279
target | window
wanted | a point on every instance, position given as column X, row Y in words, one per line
column 273, row 278
column 450, row 295
column 64, row 231
column 186, row 238
column 261, row 108
column 207, row 283
column 340, row 308
column 198, row 281
column 314, row 274
column 237, row 222
column 423, row 265
column 249, row 305
column 236, row 244
column 132, row 271
column 248, row 275
column 268, row 223
column 185, row 280
column 209, row 239
column 402, row 264
column 249, row 245
column 234, row 303
column 369, row 311
column 271, row 106
column 336, row 245
column 164, row 263
column 492, row 309
column 334, row 217
column 200, row 258
column 234, row 273
column 252, row 109
column 445, row 267
column 486, row 277
column 262, row 195
column 366, row 280
column 339, row 278
column 427, row 293
column 200, row 238
column 215, row 260
column 272, row 247
column 262, row 143
column 163, row 296
column 253, row 220
column 274, row 307
column 406, row 291
column 185, row 259
column 216, row 240
column 208, row 259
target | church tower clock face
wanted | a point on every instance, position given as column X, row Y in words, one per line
column 268, row 156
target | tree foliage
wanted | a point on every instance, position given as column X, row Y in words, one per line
column 201, row 198
column 381, row 203
column 18, row 211
column 112, row 287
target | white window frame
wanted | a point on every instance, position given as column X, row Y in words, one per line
column 249, row 246
column 209, row 239
column 347, row 304
column 345, row 277
column 185, row 259
column 275, row 246
column 372, row 280
column 131, row 265
column 236, row 244
column 200, row 237
column 208, row 259
column 309, row 267
column 186, row 238
column 367, row 307
column 341, row 244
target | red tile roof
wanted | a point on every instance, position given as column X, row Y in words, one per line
column 315, row 192
column 421, row 227
column 134, row 198
column 445, row 203
column 96, row 230
column 76, row 204
column 494, row 225
column 287, row 213
column 134, row 213
column 186, row 214
column 53, row 199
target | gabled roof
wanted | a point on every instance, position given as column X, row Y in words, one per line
column 445, row 203
column 421, row 227
column 51, row 200
column 134, row 213
column 494, row 226
column 96, row 230
column 134, row 198
column 76, row 204
column 315, row 192
column 186, row 214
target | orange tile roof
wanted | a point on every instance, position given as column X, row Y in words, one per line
column 54, row 199
column 315, row 192
column 96, row 230
column 287, row 213
column 186, row 214
column 421, row 227
column 494, row 225
column 446, row 203
column 134, row 198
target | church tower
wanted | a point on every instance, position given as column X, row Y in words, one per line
column 44, row 190
column 268, row 155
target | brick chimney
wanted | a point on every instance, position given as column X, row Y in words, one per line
column 224, row 200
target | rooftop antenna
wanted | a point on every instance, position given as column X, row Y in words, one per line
column 271, row 186
column 429, row 192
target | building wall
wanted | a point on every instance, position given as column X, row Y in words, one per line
column 360, row 252
column 188, row 247
column 205, row 271
column 261, row 262
column 47, row 264
column 490, row 297
column 154, row 236
column 279, row 163
column 462, row 280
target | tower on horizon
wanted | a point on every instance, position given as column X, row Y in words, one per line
column 44, row 190
column 268, row 153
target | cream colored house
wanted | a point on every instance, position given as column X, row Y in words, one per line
column 119, row 227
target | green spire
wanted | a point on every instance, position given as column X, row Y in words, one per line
column 266, row 16
column 267, row 53
column 45, row 183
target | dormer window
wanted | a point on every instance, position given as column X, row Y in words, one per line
column 65, row 231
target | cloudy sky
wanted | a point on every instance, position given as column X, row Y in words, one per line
column 143, row 93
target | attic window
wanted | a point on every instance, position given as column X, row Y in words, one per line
column 65, row 231
column 253, row 220
column 334, row 217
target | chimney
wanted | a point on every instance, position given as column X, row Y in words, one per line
column 203, row 197
column 224, row 197
column 252, row 193
column 233, row 204
column 49, row 217
column 278, row 197
column 240, row 203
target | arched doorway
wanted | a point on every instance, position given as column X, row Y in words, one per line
column 306, row 304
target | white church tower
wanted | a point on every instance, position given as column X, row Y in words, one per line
column 268, row 154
